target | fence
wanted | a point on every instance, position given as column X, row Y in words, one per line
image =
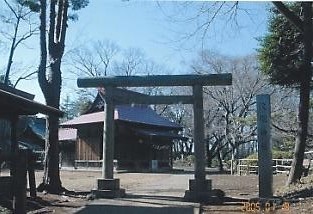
column 123, row 164
column 250, row 166
column 92, row 164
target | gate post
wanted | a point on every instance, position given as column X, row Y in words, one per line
column 107, row 186
column 199, row 188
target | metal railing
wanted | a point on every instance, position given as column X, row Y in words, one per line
column 92, row 164
column 250, row 166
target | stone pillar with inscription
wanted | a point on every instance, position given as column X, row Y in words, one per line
column 264, row 146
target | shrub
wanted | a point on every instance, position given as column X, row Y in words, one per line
column 276, row 154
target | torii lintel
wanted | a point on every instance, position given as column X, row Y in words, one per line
column 156, row 80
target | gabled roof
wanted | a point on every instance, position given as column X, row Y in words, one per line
column 97, row 117
column 14, row 103
column 139, row 114
column 98, row 103
column 133, row 114
column 143, row 115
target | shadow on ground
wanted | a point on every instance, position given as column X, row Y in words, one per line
column 183, row 171
column 114, row 209
column 141, row 204
column 152, row 204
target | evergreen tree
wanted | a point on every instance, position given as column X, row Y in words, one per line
column 286, row 57
column 281, row 52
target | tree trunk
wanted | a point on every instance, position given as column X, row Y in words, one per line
column 209, row 157
column 220, row 161
column 50, row 83
column 53, row 174
column 303, row 115
column 297, row 163
column 51, row 179
column 181, row 149
column 188, row 147
column 175, row 151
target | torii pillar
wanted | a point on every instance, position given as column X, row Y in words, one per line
column 107, row 186
column 200, row 188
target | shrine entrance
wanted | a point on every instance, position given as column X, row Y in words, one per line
column 199, row 187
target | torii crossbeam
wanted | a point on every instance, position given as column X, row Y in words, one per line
column 107, row 185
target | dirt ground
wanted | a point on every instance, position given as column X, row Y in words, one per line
column 164, row 185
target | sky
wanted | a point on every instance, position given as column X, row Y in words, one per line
column 157, row 28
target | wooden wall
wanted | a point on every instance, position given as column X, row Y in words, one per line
column 89, row 143
column 131, row 151
column 88, row 148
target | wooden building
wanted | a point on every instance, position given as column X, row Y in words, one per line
column 14, row 104
column 141, row 135
column 17, row 109
column 67, row 139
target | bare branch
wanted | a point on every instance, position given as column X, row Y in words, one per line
column 12, row 9
column 287, row 131
column 26, row 36
column 26, row 77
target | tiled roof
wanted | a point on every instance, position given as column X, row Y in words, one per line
column 133, row 114
column 142, row 114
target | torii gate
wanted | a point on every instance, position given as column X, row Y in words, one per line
column 107, row 186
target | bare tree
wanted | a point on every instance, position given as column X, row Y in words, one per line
column 230, row 111
column 182, row 115
column 102, row 58
column 106, row 51
column 205, row 19
column 303, row 22
column 95, row 59
column 284, row 117
column 18, row 25
column 131, row 62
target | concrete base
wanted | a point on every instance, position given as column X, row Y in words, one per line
column 196, row 196
column 199, row 192
column 120, row 193
column 204, row 186
column 108, row 188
